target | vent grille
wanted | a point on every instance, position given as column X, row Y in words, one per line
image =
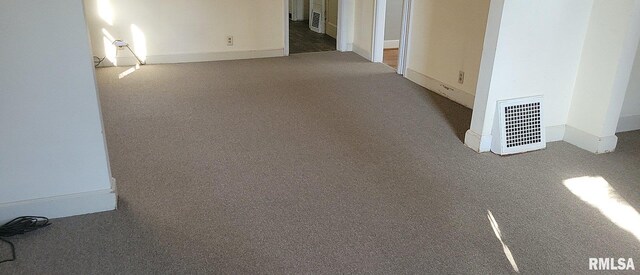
column 315, row 22
column 519, row 126
column 522, row 123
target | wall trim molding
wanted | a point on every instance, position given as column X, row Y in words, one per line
column 590, row 142
column 377, row 35
column 62, row 206
column 455, row 94
column 392, row 44
column 362, row 52
column 628, row 123
column 555, row 133
column 477, row 142
column 347, row 48
column 481, row 144
column 202, row 57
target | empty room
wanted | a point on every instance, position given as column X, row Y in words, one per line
column 184, row 137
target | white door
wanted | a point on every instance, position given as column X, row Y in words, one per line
column 316, row 16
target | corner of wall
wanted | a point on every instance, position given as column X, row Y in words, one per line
column 362, row 52
column 628, row 123
column 62, row 206
column 462, row 97
column 590, row 142
column 477, row 142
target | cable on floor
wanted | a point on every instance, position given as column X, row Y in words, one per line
column 19, row 226
column 97, row 60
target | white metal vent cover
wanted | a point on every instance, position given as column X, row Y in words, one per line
column 520, row 126
column 315, row 20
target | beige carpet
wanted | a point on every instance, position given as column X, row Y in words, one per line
column 322, row 163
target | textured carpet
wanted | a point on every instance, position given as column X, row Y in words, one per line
column 322, row 163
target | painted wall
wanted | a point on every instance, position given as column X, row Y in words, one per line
column 331, row 27
column 630, row 115
column 574, row 52
column 179, row 31
column 538, row 53
column 305, row 9
column 597, row 101
column 447, row 37
column 363, row 28
column 346, row 15
column 393, row 20
column 52, row 141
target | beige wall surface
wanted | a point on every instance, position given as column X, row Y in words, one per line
column 178, row 28
column 447, row 37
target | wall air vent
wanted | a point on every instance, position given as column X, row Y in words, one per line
column 519, row 126
column 315, row 20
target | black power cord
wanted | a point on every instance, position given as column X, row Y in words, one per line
column 18, row 226
column 97, row 60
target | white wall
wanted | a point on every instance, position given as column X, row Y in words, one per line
column 52, row 149
column 182, row 31
column 599, row 92
column 393, row 20
column 630, row 115
column 363, row 28
column 538, row 53
column 568, row 51
column 447, row 37
column 346, row 20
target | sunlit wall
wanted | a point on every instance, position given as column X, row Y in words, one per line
column 171, row 30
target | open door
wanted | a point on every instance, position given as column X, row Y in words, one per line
column 331, row 18
column 317, row 15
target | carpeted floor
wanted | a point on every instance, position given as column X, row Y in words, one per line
column 322, row 163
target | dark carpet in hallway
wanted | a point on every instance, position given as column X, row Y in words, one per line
column 322, row 163
column 304, row 40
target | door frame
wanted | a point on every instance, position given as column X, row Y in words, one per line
column 342, row 44
column 297, row 11
column 378, row 33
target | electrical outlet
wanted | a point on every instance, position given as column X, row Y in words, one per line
column 461, row 77
column 229, row 40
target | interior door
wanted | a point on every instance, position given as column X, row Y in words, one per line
column 317, row 15
column 331, row 20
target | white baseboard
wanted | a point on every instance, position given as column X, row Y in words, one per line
column 362, row 52
column 590, row 142
column 480, row 143
column 555, row 133
column 348, row 48
column 628, row 123
column 391, row 44
column 61, row 206
column 446, row 90
column 201, row 57
column 477, row 142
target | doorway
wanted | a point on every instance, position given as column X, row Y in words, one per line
column 312, row 25
column 390, row 33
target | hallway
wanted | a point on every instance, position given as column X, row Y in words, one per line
column 304, row 40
